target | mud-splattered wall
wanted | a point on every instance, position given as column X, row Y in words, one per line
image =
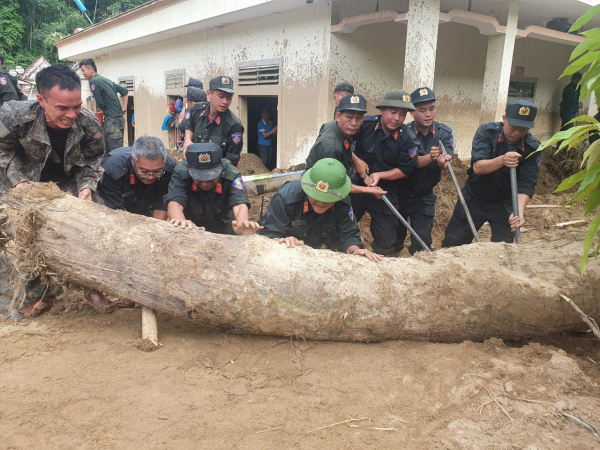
column 544, row 61
column 372, row 58
column 299, row 38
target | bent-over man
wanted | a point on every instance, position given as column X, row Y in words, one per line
column 136, row 179
column 316, row 211
column 208, row 192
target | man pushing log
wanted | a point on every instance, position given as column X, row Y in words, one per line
column 52, row 138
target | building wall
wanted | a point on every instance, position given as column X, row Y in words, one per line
column 534, row 54
column 299, row 38
column 372, row 59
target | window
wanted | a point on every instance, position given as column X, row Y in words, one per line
column 522, row 88
column 254, row 73
column 174, row 81
column 128, row 83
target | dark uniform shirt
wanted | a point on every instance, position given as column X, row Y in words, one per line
column 331, row 143
column 570, row 98
column 105, row 93
column 225, row 130
column 9, row 88
column 290, row 214
column 25, row 146
column 184, row 123
column 122, row 189
column 210, row 209
column 423, row 180
column 398, row 150
column 489, row 143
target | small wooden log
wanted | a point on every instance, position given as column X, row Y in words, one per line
column 570, row 223
column 149, row 326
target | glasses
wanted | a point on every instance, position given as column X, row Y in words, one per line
column 150, row 173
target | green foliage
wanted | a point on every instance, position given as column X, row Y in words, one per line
column 29, row 28
column 12, row 26
column 588, row 179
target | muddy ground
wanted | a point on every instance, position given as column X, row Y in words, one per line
column 73, row 379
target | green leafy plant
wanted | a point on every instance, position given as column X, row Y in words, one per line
column 588, row 179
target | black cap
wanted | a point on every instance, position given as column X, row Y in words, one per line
column 194, row 82
column 353, row 102
column 344, row 87
column 422, row 95
column 521, row 114
column 195, row 95
column 203, row 161
column 222, row 83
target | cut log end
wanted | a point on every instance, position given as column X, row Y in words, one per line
column 149, row 330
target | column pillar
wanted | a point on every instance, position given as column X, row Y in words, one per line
column 498, row 63
column 421, row 44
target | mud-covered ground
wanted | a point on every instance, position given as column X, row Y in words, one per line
column 73, row 379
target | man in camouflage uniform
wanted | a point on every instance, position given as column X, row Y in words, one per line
column 50, row 139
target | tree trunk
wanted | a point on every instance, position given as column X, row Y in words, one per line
column 254, row 285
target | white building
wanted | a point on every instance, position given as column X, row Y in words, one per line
column 289, row 54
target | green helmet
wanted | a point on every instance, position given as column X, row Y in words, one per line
column 326, row 181
column 396, row 98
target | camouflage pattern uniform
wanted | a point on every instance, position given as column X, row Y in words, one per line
column 24, row 149
column 25, row 146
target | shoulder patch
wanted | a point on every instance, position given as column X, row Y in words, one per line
column 93, row 86
column 351, row 214
column 238, row 184
column 413, row 152
column 3, row 81
column 538, row 160
column 236, row 138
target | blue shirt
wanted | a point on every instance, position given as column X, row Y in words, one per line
column 266, row 127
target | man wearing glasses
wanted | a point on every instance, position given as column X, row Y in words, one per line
column 137, row 178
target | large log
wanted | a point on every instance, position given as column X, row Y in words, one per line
column 254, row 285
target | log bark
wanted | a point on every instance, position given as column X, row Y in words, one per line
column 254, row 285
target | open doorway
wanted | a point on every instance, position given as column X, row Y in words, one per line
column 255, row 107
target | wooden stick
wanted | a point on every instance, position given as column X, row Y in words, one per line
column 149, row 326
column 334, row 424
column 266, row 431
column 481, row 408
column 587, row 319
column 549, row 206
column 570, row 222
column 503, row 410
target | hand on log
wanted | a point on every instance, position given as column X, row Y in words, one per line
column 290, row 241
column 85, row 194
column 354, row 250
column 245, row 227
column 185, row 224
